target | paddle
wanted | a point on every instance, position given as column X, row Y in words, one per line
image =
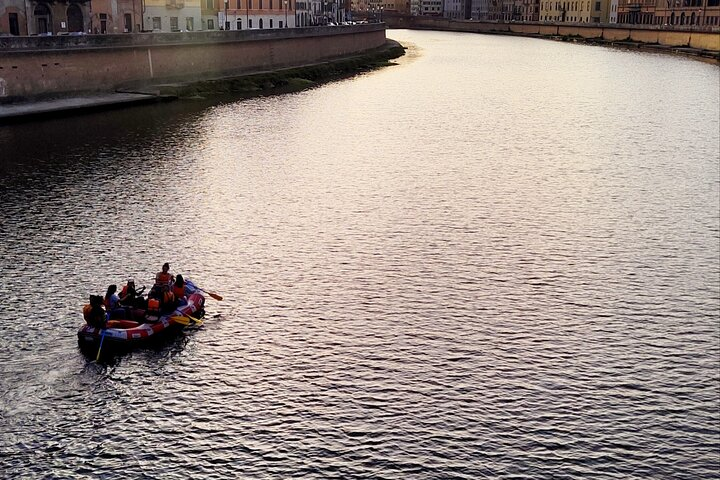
column 185, row 320
column 102, row 339
column 212, row 294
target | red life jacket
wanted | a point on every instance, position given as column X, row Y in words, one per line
column 94, row 317
column 153, row 305
column 163, row 279
column 179, row 292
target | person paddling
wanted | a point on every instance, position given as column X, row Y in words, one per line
column 128, row 293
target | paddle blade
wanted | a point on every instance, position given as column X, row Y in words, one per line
column 186, row 320
column 180, row 320
column 215, row 296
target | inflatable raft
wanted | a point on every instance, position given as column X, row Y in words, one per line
column 131, row 332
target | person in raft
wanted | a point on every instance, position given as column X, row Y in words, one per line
column 163, row 279
column 94, row 312
column 178, row 289
column 111, row 300
column 129, row 296
column 161, row 298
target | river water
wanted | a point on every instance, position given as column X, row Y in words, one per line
column 498, row 259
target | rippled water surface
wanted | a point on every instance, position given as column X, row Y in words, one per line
column 498, row 259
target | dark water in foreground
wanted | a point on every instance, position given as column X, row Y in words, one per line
column 499, row 259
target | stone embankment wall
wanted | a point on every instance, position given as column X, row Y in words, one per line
column 38, row 66
column 651, row 35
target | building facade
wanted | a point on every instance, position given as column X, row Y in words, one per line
column 304, row 13
column 172, row 15
column 248, row 14
column 431, row 7
column 58, row 17
column 575, row 11
column 612, row 14
column 20, row 17
column 116, row 16
column 529, row 11
column 14, row 17
column 454, row 9
column 480, row 9
column 669, row 12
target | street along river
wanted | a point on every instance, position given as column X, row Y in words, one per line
column 497, row 259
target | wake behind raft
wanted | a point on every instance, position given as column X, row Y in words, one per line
column 131, row 327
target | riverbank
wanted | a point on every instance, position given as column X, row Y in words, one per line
column 707, row 56
column 281, row 80
column 702, row 45
column 36, row 67
column 247, row 85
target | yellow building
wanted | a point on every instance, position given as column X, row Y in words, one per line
column 575, row 11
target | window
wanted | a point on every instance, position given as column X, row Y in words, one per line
column 281, row 24
column 261, row 22
column 209, row 4
column 239, row 24
column 597, row 6
column 239, row 6
column 189, row 24
column 14, row 24
column 157, row 23
column 174, row 24
column 260, row 7
column 211, row 25
column 270, row 4
column 271, row 23
column 249, row 22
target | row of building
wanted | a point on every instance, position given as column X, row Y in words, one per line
column 57, row 17
column 699, row 13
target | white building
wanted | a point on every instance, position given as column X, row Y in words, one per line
column 254, row 14
column 613, row 13
column 305, row 12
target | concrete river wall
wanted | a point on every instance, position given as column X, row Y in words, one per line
column 638, row 33
column 37, row 66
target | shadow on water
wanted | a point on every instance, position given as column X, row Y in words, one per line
column 97, row 137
